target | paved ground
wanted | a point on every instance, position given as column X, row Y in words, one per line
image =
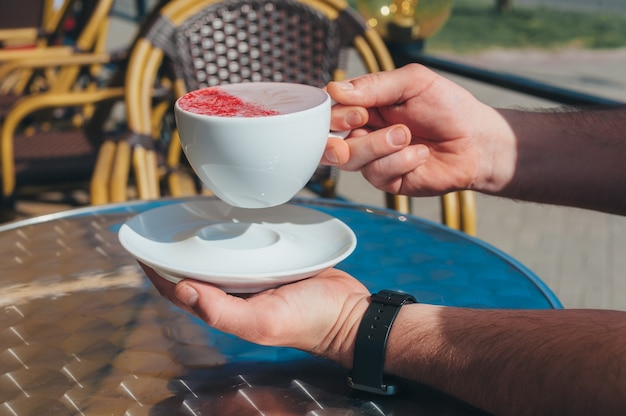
column 579, row 254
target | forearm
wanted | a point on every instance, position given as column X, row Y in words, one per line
column 574, row 158
column 515, row 362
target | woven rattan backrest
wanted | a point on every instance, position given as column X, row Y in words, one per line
column 229, row 41
column 257, row 40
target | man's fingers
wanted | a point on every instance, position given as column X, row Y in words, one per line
column 348, row 117
column 378, row 144
column 388, row 173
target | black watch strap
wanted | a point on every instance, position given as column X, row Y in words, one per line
column 371, row 342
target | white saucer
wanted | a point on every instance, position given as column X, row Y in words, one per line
column 238, row 250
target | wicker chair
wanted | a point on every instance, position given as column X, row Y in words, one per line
column 31, row 23
column 19, row 25
column 50, row 66
column 38, row 148
column 239, row 40
column 26, row 27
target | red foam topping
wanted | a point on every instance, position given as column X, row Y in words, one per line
column 216, row 102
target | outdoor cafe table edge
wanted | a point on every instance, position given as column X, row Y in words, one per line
column 101, row 287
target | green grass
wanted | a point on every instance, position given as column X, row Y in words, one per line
column 475, row 26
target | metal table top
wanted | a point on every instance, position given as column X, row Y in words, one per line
column 82, row 331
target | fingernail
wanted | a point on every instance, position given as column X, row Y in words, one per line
column 354, row 119
column 331, row 156
column 423, row 152
column 345, row 85
column 187, row 295
column 396, row 137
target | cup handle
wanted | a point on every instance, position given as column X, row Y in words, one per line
column 339, row 134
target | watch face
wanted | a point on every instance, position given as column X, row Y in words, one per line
column 390, row 297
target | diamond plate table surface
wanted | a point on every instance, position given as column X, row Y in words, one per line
column 83, row 332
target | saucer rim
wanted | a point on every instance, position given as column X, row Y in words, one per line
column 276, row 278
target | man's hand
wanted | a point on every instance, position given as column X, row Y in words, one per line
column 417, row 133
column 319, row 315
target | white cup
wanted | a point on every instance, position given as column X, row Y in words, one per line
column 257, row 144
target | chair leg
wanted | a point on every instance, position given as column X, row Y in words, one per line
column 102, row 173
column 152, row 174
column 121, row 169
column 146, row 172
column 141, row 174
column 468, row 212
column 400, row 203
column 450, row 208
column 7, row 163
column 181, row 183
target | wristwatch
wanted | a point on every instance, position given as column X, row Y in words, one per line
column 371, row 342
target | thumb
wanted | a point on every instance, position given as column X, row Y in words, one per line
column 383, row 88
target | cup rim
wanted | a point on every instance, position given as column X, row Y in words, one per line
column 239, row 118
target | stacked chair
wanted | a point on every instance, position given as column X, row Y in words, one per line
column 44, row 110
column 190, row 44
column 25, row 32
column 31, row 23
column 56, row 59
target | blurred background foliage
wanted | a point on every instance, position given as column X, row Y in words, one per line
column 478, row 25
